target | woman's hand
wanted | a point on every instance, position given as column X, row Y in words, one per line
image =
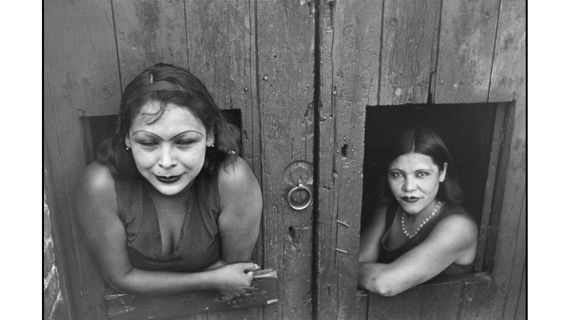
column 234, row 279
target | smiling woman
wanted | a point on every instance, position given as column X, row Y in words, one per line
column 169, row 206
column 419, row 230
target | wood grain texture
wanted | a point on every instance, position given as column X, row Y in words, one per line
column 409, row 35
column 465, row 55
column 508, row 82
column 407, row 305
column 285, row 57
column 441, row 302
column 148, row 32
column 222, row 53
column 521, row 310
column 349, row 55
column 516, row 286
column 80, row 77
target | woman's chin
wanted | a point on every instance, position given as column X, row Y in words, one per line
column 170, row 189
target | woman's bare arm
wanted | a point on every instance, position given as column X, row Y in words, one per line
column 97, row 212
column 241, row 202
column 453, row 239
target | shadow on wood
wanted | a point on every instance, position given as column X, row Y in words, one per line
column 127, row 306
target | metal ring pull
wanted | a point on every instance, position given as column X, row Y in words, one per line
column 295, row 197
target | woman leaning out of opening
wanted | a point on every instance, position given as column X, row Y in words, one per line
column 169, row 206
column 419, row 230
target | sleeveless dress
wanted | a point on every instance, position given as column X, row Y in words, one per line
column 199, row 243
column 388, row 256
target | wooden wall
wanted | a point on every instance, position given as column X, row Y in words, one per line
column 302, row 73
column 466, row 51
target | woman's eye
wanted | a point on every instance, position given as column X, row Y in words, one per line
column 423, row 174
column 148, row 143
column 395, row 174
column 185, row 142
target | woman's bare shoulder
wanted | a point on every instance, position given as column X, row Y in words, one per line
column 459, row 225
column 97, row 182
column 235, row 175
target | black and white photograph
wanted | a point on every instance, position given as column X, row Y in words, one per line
column 285, row 159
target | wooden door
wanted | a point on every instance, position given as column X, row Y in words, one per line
column 257, row 57
column 300, row 74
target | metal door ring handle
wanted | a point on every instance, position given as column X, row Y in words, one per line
column 296, row 205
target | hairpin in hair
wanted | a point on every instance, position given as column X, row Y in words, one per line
column 150, row 78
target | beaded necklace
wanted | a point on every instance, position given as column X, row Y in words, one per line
column 434, row 212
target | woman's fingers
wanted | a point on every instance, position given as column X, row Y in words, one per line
column 250, row 266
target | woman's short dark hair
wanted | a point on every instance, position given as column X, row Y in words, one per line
column 427, row 142
column 165, row 83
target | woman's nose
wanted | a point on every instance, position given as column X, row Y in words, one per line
column 409, row 184
column 166, row 159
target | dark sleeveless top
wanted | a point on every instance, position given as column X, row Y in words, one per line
column 387, row 256
column 199, row 242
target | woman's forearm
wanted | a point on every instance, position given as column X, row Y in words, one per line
column 139, row 281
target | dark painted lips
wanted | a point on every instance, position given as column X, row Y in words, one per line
column 170, row 179
column 410, row 199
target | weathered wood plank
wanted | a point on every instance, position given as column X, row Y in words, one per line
column 508, row 81
column 441, row 302
column 516, row 286
column 80, row 77
column 477, row 303
column 285, row 57
column 126, row 306
column 407, row 305
column 410, row 32
column 221, row 52
column 349, row 52
column 466, row 44
column 149, row 32
column 521, row 311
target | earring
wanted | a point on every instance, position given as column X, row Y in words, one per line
column 127, row 148
column 213, row 145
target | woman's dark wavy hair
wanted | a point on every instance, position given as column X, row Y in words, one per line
column 425, row 141
column 165, row 83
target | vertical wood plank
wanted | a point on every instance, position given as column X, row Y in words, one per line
column 80, row 77
column 221, row 52
column 407, row 305
column 441, row 302
column 521, row 311
column 515, row 284
column 466, row 45
column 410, row 33
column 508, row 82
column 478, row 303
column 285, row 57
column 349, row 52
column 149, row 32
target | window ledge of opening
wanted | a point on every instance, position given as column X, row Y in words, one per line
column 444, row 279
column 128, row 306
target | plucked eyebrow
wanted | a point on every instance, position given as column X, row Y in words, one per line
column 176, row 136
column 419, row 170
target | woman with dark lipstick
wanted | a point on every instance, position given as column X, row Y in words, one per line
column 420, row 229
column 169, row 206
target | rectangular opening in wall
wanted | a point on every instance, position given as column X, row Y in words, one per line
column 477, row 136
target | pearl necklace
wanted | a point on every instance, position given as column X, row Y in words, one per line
column 434, row 212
